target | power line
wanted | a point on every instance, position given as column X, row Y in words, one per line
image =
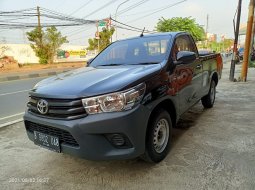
column 7, row 18
column 132, row 7
column 58, row 15
column 162, row 9
column 84, row 5
column 130, row 29
column 17, row 11
column 93, row 12
column 13, row 15
column 142, row 12
column 131, row 26
column 75, row 11
column 100, row 8
column 18, row 18
column 83, row 30
column 60, row 5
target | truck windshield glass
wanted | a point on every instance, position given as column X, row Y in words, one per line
column 144, row 50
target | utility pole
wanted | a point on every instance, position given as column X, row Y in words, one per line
column 206, row 30
column 207, row 23
column 116, row 16
column 234, row 56
column 247, row 45
column 253, row 35
column 223, row 40
column 98, row 37
column 39, row 23
column 110, row 25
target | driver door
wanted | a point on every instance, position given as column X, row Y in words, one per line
column 188, row 75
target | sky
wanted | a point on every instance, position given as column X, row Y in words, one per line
column 221, row 14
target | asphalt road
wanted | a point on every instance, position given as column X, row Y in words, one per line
column 13, row 98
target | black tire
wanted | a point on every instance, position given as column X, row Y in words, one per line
column 209, row 99
column 160, row 128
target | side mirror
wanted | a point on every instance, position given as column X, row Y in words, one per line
column 89, row 61
column 185, row 57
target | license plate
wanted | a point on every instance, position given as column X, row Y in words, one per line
column 47, row 141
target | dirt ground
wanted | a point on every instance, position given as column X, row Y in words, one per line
column 212, row 149
column 14, row 67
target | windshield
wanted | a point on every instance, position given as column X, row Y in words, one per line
column 142, row 50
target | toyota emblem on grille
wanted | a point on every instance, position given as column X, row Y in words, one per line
column 42, row 106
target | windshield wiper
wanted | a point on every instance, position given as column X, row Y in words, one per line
column 113, row 64
column 144, row 63
column 117, row 64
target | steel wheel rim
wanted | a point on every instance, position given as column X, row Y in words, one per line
column 212, row 92
column 161, row 135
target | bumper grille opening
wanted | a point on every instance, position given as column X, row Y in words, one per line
column 64, row 136
column 119, row 140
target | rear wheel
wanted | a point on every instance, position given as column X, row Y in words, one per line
column 158, row 137
column 209, row 99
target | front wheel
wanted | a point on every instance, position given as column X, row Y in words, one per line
column 209, row 99
column 158, row 137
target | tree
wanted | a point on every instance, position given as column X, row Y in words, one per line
column 186, row 24
column 104, row 39
column 46, row 43
column 222, row 46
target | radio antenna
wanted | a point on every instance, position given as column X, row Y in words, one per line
column 142, row 32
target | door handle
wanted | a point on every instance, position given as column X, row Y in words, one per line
column 199, row 66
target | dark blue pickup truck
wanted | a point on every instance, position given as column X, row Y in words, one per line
column 125, row 103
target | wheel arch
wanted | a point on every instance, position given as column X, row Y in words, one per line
column 215, row 78
column 167, row 105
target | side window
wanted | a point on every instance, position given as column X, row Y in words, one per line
column 183, row 43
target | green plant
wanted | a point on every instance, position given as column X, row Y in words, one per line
column 46, row 43
column 103, row 41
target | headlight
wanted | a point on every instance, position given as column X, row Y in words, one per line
column 115, row 102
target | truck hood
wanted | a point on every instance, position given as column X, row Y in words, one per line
column 90, row 81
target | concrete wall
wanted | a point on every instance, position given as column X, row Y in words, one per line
column 23, row 53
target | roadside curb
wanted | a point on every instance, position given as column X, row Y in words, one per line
column 11, row 123
column 33, row 75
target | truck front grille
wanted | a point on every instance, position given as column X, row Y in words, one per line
column 64, row 136
column 58, row 108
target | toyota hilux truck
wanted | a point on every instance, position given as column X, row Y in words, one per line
column 126, row 101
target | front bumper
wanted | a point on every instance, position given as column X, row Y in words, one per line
column 90, row 133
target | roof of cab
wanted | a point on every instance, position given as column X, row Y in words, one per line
column 173, row 34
